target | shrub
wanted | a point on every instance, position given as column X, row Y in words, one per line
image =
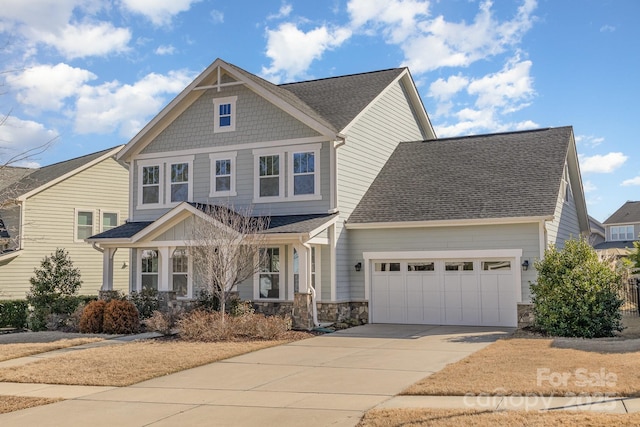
column 52, row 289
column 146, row 301
column 164, row 322
column 92, row 317
column 120, row 317
column 200, row 325
column 206, row 301
column 13, row 314
column 576, row 294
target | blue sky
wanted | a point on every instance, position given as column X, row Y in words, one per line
column 88, row 74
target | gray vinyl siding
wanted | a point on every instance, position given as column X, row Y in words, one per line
column 565, row 224
column 369, row 144
column 512, row 236
column 636, row 230
column 244, row 170
column 49, row 223
column 257, row 120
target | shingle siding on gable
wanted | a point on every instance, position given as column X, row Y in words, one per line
column 50, row 224
column 257, row 120
column 369, row 144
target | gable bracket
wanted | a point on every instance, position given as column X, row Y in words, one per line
column 218, row 85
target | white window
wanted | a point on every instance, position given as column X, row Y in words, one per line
column 224, row 114
column 84, row 224
column 269, row 275
column 179, row 182
column 269, row 183
column 622, row 232
column 150, row 184
column 304, row 176
column 148, row 269
column 223, row 175
column 180, row 273
column 109, row 220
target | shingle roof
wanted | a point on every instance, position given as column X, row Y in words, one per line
column 297, row 223
column 124, row 231
column 629, row 212
column 11, row 174
column 621, row 244
column 341, row 99
column 46, row 174
column 516, row 174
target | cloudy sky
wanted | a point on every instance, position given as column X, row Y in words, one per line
column 88, row 74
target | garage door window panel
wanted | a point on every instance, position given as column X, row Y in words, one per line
column 387, row 267
column 458, row 266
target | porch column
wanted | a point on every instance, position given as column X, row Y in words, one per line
column 164, row 269
column 304, row 267
column 107, row 269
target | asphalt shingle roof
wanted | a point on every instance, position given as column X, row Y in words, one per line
column 11, row 174
column 341, row 99
column 504, row 175
column 124, row 231
column 629, row 212
column 47, row 173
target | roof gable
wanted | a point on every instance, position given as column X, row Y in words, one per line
column 47, row 176
column 627, row 213
column 507, row 175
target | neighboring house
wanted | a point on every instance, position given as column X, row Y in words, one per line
column 622, row 228
column 58, row 206
column 384, row 231
column 597, row 232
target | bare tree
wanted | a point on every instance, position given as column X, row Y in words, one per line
column 226, row 249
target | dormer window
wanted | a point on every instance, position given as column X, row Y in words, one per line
column 224, row 114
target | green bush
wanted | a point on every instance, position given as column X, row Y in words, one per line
column 120, row 317
column 53, row 289
column 92, row 317
column 576, row 294
column 146, row 301
column 13, row 314
column 206, row 301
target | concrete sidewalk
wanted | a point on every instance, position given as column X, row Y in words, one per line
column 326, row 380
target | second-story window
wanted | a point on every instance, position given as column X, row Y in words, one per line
column 622, row 232
column 84, row 224
column 223, row 180
column 303, row 173
column 224, row 114
column 109, row 220
column 150, row 185
column 179, row 182
column 269, row 170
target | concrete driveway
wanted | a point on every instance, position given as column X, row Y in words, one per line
column 326, row 380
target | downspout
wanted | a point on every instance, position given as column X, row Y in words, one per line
column 95, row 246
column 310, row 289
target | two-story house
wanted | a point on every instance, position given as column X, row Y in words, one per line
column 433, row 231
column 58, row 206
column 622, row 228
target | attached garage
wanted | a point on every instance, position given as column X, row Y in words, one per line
column 479, row 288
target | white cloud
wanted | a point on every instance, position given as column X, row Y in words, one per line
column 54, row 24
column 589, row 140
column 607, row 29
column 397, row 19
column 292, row 50
column 165, row 50
column 18, row 136
column 632, row 181
column 45, row 87
column 217, row 17
column 505, row 89
column 285, row 10
column 159, row 12
column 113, row 106
column 602, row 163
column 444, row 89
column 436, row 43
column 589, row 187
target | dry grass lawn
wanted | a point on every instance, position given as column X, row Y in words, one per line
column 541, row 367
column 13, row 351
column 15, row 403
column 126, row 364
column 463, row 417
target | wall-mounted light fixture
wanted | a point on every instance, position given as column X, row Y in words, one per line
column 358, row 266
column 525, row 265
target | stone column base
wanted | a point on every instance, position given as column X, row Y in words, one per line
column 302, row 312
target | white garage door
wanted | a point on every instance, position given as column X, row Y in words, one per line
column 444, row 292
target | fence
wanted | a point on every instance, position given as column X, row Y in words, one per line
column 630, row 293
